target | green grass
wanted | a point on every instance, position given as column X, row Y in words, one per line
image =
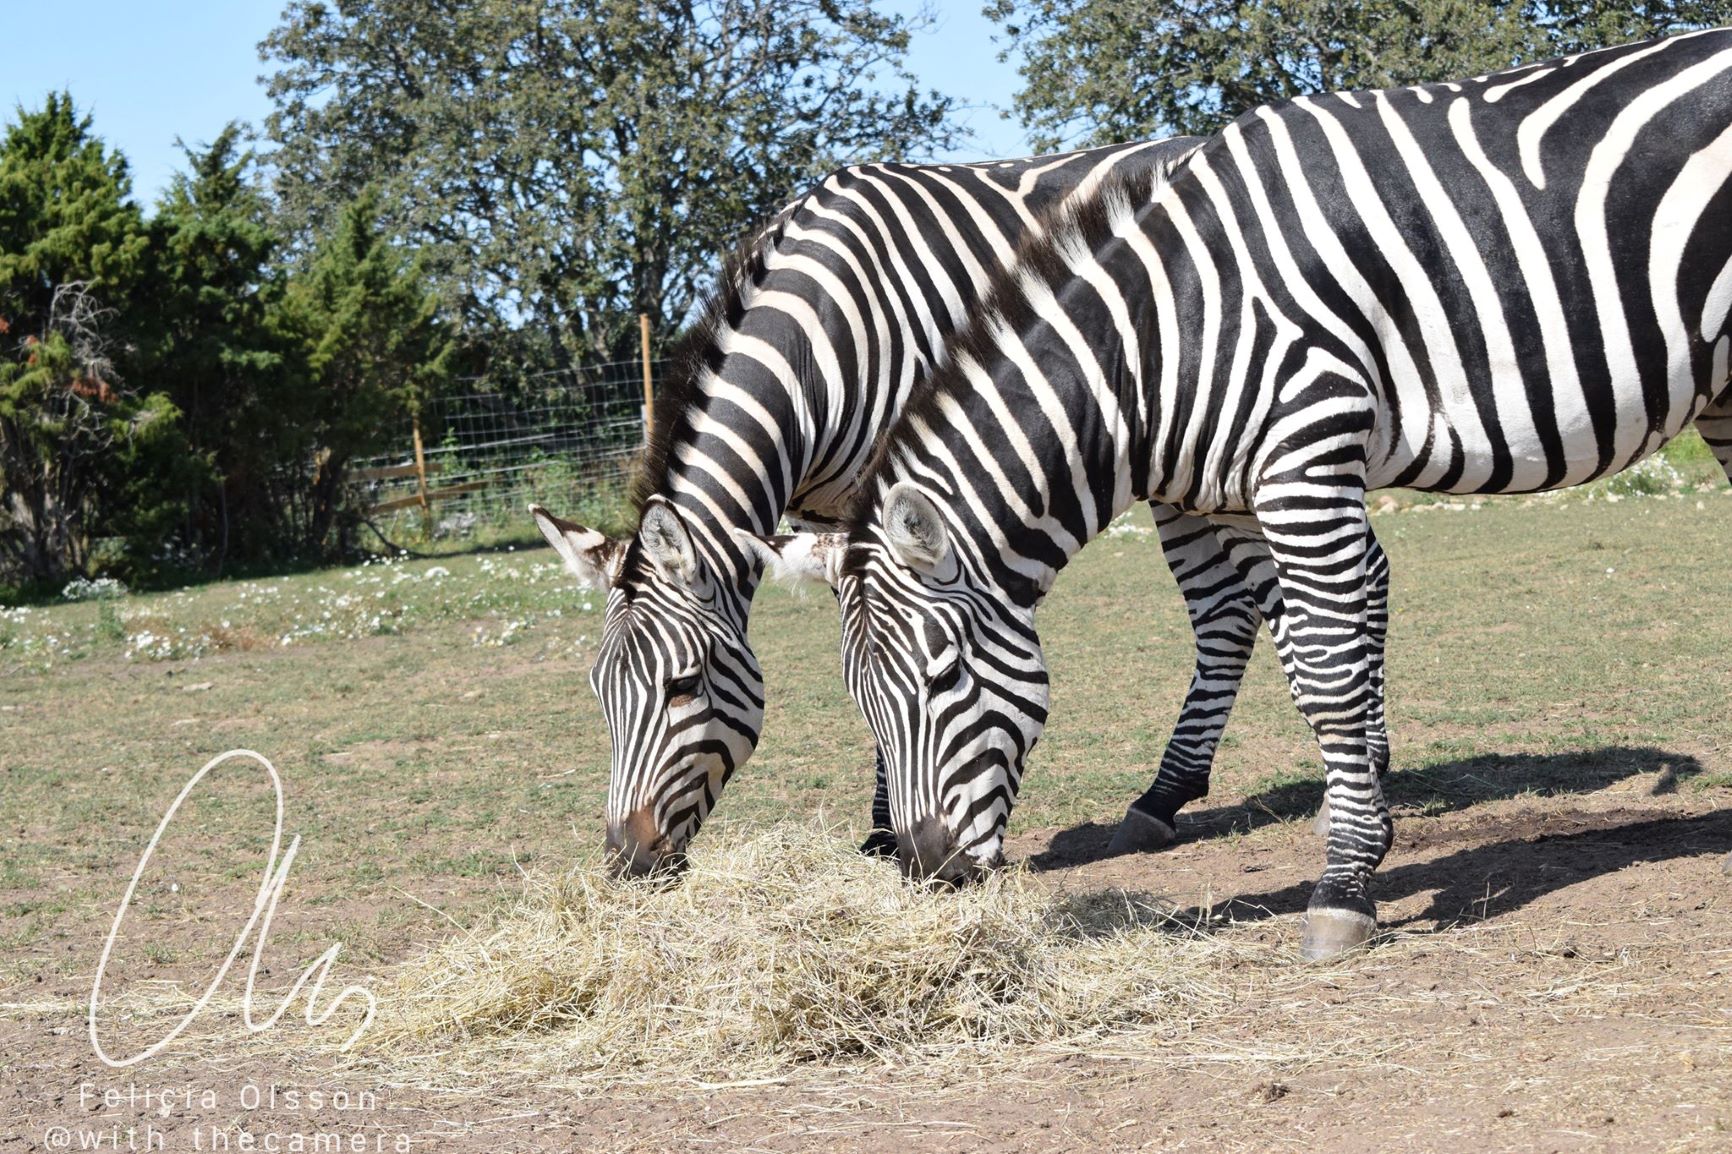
column 434, row 727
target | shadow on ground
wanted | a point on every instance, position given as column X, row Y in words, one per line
column 1529, row 860
column 1481, row 881
column 1434, row 789
column 1503, row 863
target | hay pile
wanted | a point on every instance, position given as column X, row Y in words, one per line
column 788, row 948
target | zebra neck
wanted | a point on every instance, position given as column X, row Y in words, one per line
column 1033, row 458
column 728, row 578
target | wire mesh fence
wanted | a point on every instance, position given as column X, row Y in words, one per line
column 564, row 440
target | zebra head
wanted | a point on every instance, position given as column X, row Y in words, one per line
column 679, row 687
column 948, row 673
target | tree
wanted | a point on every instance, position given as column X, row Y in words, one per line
column 374, row 347
column 207, row 310
column 571, row 163
column 1590, row 24
column 71, row 248
column 1097, row 71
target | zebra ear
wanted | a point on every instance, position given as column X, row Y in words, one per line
column 667, row 542
column 914, row 527
column 796, row 557
column 593, row 558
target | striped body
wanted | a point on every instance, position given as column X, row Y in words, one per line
column 1513, row 283
column 840, row 308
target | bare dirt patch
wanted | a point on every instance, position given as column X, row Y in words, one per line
column 1553, row 976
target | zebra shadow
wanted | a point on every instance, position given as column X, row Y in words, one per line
column 1498, row 877
column 1435, row 789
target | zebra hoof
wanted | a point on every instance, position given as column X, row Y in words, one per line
column 1141, row 833
column 1331, row 933
column 1320, row 823
column 879, row 843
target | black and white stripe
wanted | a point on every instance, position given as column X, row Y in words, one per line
column 820, row 332
column 1512, row 283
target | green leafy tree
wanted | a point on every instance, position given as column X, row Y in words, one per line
column 569, row 164
column 374, row 348
column 1104, row 70
column 71, row 249
column 207, row 311
column 1591, row 24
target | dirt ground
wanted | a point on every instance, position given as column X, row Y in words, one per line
column 1556, row 975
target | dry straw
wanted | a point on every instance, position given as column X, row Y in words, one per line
column 785, row 949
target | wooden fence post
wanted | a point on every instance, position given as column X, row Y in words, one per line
column 648, row 383
column 421, row 482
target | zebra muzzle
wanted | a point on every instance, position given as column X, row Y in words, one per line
column 928, row 852
column 636, row 849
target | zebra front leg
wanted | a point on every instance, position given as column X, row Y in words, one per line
column 1224, row 619
column 1714, row 422
column 1715, row 425
column 881, row 838
column 1377, row 630
column 1320, row 552
column 1248, row 554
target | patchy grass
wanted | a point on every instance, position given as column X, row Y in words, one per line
column 502, row 596
column 437, row 737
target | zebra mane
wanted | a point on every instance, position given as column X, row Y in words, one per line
column 696, row 349
column 1085, row 222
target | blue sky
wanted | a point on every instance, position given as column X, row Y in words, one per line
column 958, row 57
column 153, row 70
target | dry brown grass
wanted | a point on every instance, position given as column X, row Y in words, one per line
column 782, row 950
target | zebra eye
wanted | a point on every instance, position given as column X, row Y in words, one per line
column 684, row 687
column 946, row 678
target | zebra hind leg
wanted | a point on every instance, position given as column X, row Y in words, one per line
column 1224, row 617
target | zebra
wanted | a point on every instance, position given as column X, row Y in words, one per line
column 1509, row 284
column 819, row 330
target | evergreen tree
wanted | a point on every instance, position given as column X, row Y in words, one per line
column 71, row 250
column 213, row 346
column 374, row 348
